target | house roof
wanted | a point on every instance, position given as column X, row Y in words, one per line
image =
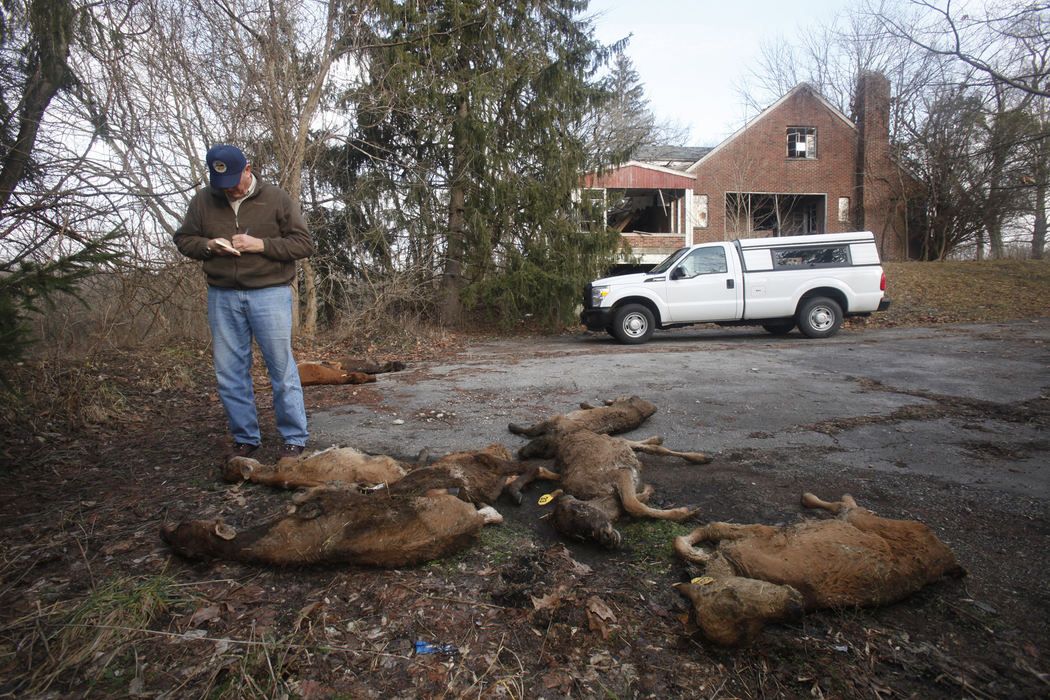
column 636, row 174
column 671, row 156
column 801, row 87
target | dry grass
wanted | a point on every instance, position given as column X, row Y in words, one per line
column 965, row 291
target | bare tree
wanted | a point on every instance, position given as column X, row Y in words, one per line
column 257, row 74
column 978, row 40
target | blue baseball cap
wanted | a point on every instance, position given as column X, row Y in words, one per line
column 225, row 165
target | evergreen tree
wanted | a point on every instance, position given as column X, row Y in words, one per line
column 472, row 120
column 625, row 122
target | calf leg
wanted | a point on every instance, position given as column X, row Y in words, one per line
column 514, row 486
column 847, row 503
column 685, row 545
column 624, row 481
column 541, row 428
column 652, row 446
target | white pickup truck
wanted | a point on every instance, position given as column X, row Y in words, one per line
column 779, row 283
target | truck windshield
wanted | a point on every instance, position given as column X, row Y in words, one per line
column 667, row 262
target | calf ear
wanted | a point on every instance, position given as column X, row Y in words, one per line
column 224, row 531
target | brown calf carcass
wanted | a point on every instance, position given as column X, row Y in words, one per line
column 615, row 416
column 427, row 513
column 480, row 476
column 315, row 373
column 367, row 365
column 600, row 474
column 338, row 525
column 760, row 574
column 336, row 464
column 348, row 370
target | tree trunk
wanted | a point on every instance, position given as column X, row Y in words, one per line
column 308, row 322
column 1039, row 230
column 43, row 81
column 452, row 277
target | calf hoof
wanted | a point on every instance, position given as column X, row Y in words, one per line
column 683, row 513
column 610, row 539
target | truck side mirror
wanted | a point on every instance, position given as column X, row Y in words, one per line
column 677, row 273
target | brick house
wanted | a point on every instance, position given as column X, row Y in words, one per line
column 799, row 167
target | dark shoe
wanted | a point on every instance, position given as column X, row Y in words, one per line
column 240, row 449
column 289, row 451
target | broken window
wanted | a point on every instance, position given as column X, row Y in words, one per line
column 843, row 209
column 751, row 214
column 700, row 202
column 829, row 256
column 646, row 210
column 802, row 142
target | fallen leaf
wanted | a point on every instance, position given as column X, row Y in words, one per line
column 599, row 616
column 204, row 615
column 551, row 600
column 307, row 612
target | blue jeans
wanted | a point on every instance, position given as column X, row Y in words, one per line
column 235, row 317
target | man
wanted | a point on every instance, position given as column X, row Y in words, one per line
column 249, row 234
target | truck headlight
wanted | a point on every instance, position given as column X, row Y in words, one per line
column 598, row 294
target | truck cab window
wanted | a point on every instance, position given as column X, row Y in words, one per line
column 704, row 261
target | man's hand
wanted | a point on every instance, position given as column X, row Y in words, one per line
column 248, row 244
column 222, row 247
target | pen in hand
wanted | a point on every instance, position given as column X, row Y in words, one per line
column 222, row 242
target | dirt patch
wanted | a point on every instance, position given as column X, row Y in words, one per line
column 94, row 605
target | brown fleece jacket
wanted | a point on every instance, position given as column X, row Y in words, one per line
column 268, row 213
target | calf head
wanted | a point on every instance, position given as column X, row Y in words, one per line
column 732, row 610
column 583, row 520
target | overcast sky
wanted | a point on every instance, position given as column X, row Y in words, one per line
column 691, row 54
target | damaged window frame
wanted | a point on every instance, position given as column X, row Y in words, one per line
column 805, row 135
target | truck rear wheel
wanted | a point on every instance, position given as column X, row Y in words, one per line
column 633, row 324
column 819, row 317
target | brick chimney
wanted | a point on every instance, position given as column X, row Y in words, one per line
column 873, row 166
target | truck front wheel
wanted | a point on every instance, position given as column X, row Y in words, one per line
column 633, row 324
column 819, row 317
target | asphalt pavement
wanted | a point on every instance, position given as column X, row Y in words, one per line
column 965, row 404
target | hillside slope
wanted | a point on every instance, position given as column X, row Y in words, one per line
column 960, row 291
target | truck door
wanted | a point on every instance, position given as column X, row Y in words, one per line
column 704, row 286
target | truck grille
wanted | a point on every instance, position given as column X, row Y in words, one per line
column 587, row 296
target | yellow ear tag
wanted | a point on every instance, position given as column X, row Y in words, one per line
column 545, row 499
column 702, row 580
